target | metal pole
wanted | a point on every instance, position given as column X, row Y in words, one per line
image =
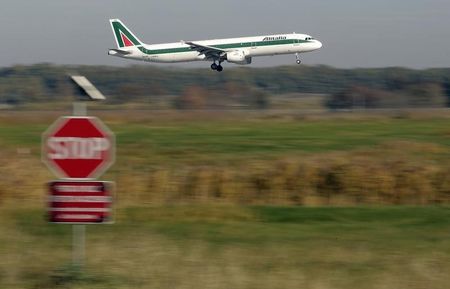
column 78, row 245
column 79, row 109
column 79, row 231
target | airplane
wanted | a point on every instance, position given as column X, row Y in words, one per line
column 235, row 50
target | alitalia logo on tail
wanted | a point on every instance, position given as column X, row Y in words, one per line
column 126, row 42
column 124, row 37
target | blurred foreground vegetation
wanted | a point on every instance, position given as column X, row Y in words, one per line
column 233, row 247
column 240, row 199
column 250, row 158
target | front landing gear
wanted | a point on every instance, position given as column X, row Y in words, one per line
column 298, row 58
column 216, row 67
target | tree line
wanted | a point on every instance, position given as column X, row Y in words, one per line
column 198, row 88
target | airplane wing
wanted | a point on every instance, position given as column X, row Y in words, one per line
column 208, row 51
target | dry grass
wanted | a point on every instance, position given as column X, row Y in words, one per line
column 390, row 174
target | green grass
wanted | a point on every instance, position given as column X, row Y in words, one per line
column 234, row 247
column 269, row 137
column 212, row 140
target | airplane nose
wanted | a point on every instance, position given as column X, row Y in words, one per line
column 319, row 44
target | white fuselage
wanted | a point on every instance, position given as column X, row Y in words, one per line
column 248, row 47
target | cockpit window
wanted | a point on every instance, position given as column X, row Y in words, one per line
column 309, row 38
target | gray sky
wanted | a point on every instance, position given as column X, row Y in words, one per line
column 355, row 33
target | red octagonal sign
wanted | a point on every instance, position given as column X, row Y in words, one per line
column 78, row 147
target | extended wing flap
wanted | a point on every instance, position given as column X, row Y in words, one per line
column 208, row 51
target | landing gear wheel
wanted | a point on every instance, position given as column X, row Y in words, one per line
column 298, row 58
column 214, row 66
column 219, row 68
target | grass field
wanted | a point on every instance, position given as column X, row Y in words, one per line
column 204, row 200
column 159, row 138
column 252, row 157
column 233, row 247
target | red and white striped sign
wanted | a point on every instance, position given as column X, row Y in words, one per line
column 84, row 202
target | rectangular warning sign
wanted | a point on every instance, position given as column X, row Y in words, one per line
column 80, row 202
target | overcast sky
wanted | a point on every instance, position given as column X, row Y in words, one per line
column 355, row 33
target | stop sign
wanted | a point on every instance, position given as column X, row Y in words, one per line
column 78, row 147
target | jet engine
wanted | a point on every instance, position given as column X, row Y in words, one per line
column 238, row 57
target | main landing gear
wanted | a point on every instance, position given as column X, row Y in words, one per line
column 298, row 58
column 216, row 67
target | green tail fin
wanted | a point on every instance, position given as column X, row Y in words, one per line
column 124, row 37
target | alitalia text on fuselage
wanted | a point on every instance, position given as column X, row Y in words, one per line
column 235, row 50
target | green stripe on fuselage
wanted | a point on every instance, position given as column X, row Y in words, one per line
column 224, row 46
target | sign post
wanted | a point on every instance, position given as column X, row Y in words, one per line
column 78, row 231
column 78, row 149
column 78, row 245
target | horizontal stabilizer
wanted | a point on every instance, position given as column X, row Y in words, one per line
column 118, row 51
